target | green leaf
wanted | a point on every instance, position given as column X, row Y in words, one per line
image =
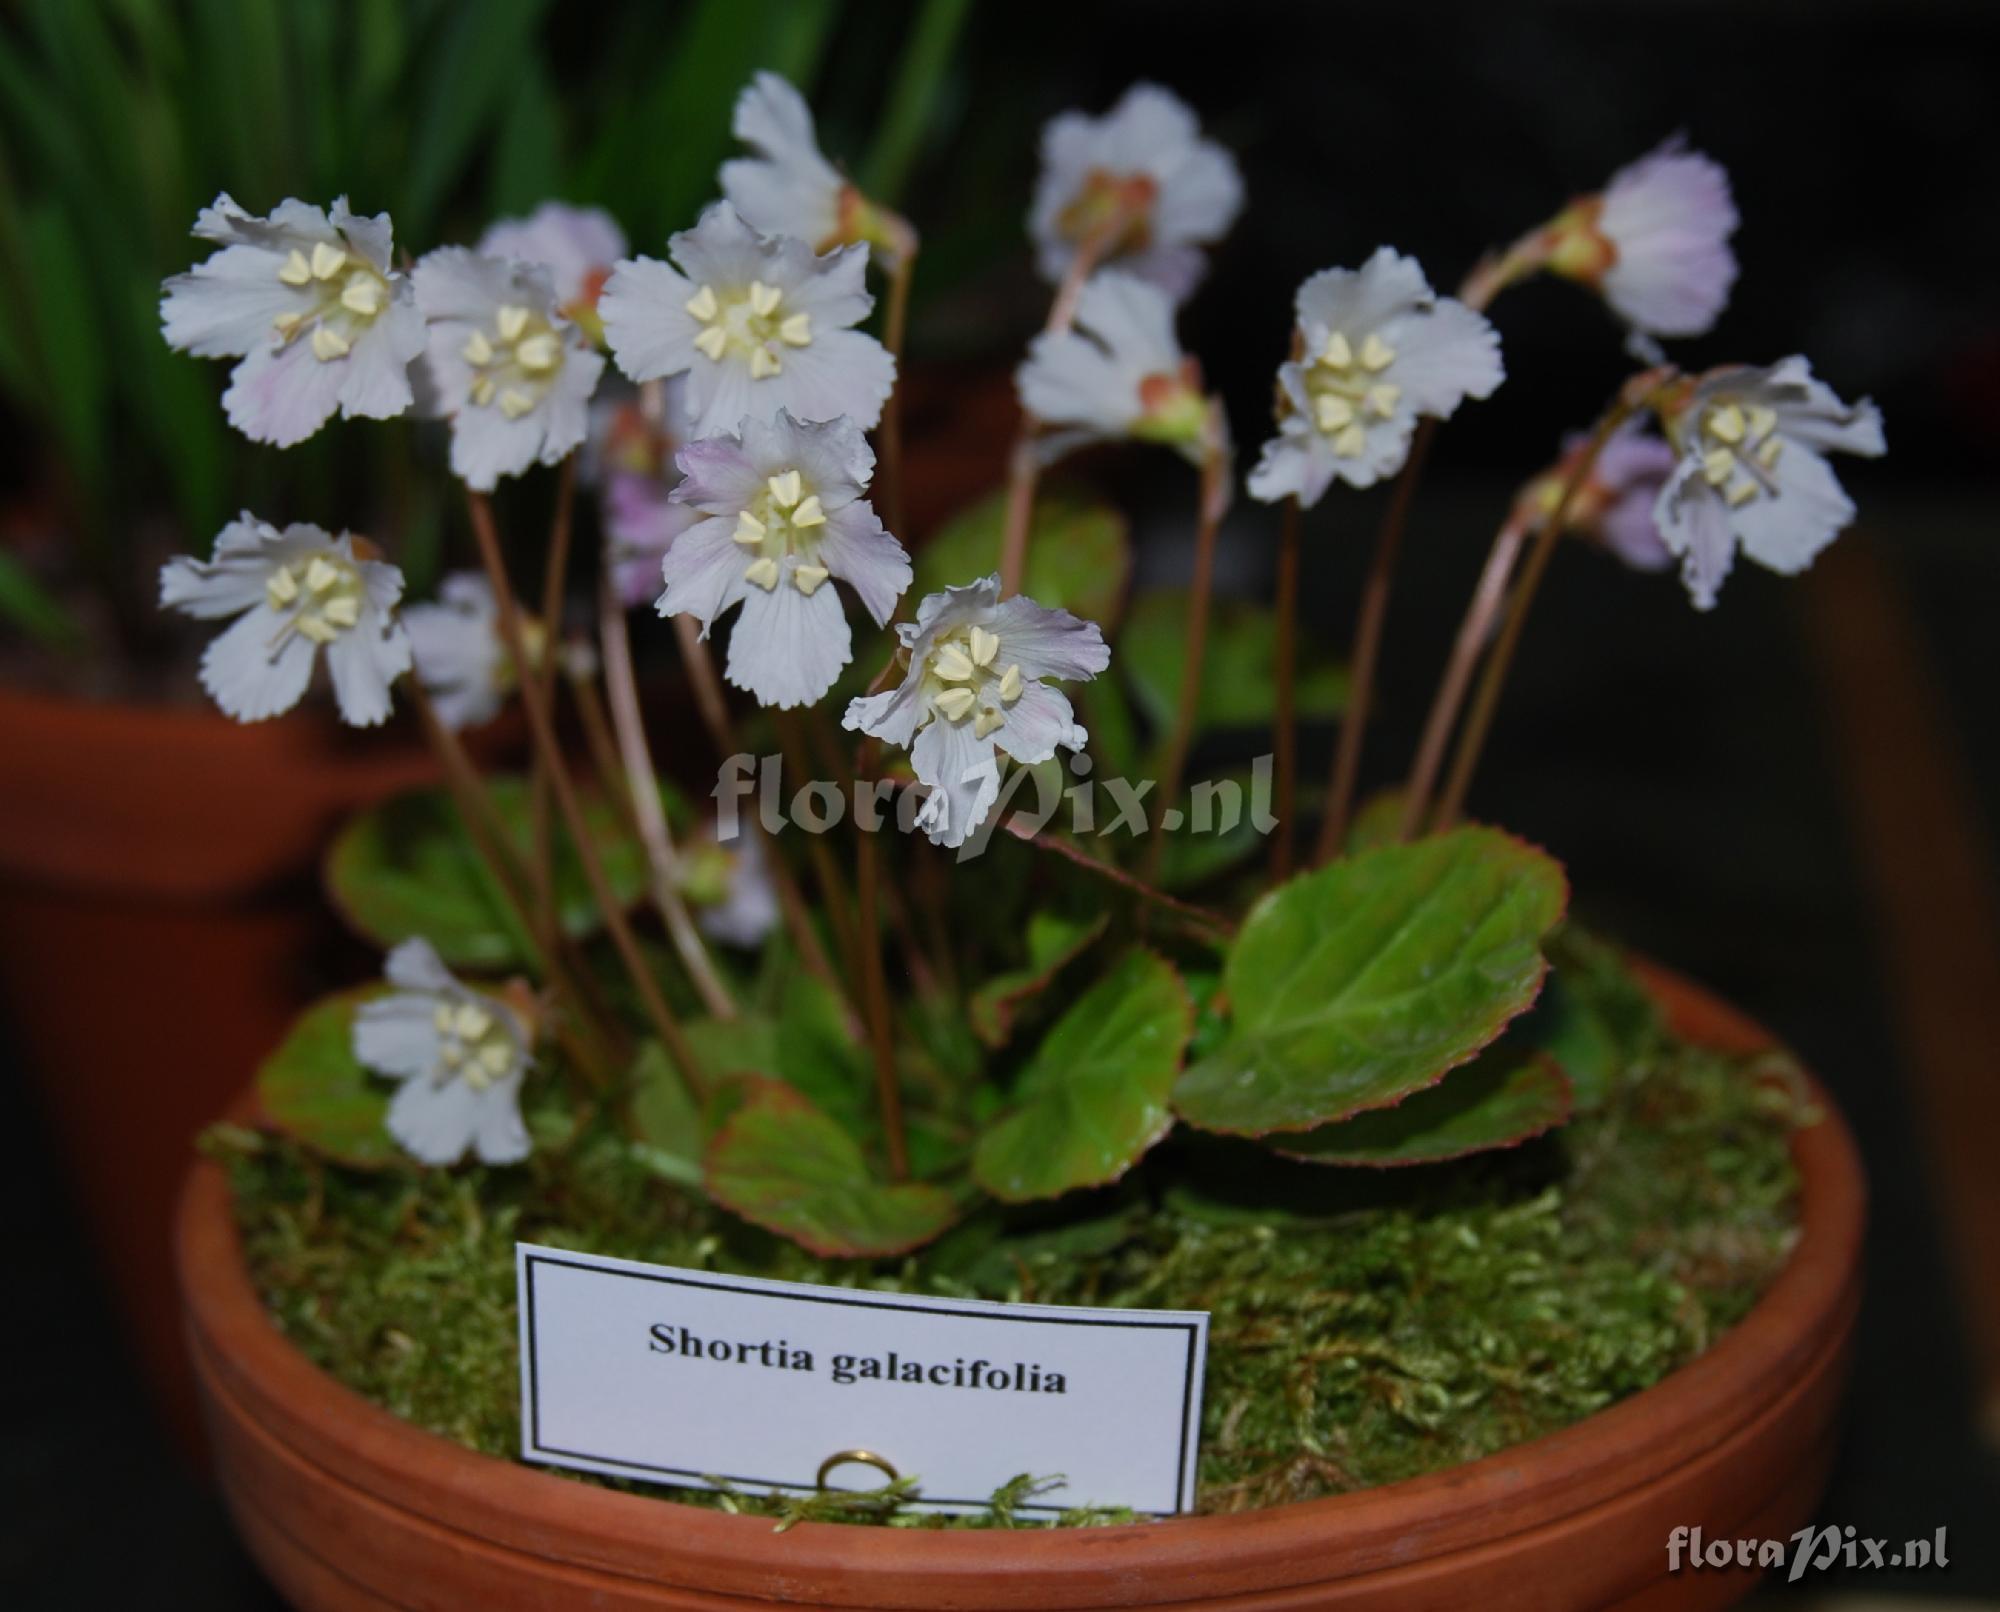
column 1596, row 1020
column 1054, row 940
column 819, row 1052
column 471, row 79
column 1079, row 554
column 1220, row 832
column 1363, row 981
column 1239, row 665
column 1095, row 1096
column 1504, row 1096
column 908, row 112
column 311, row 1088
column 666, row 1120
column 782, row 1164
column 407, row 867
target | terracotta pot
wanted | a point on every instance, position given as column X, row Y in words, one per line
column 159, row 927
column 348, row 1508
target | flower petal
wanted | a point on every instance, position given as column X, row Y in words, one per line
column 964, row 775
column 855, row 547
column 255, row 669
column 787, row 647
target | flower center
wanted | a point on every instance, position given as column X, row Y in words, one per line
column 472, row 1044
column 1739, row 450
column 782, row 522
column 1172, row 408
column 750, row 321
column 517, row 363
column 1348, row 388
column 1117, row 208
column 320, row 597
column 963, row 678
column 341, row 295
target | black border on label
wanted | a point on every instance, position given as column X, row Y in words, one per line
column 530, row 1258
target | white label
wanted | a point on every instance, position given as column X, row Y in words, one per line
column 690, row 1378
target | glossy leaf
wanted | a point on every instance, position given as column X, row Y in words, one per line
column 1054, row 940
column 783, row 1164
column 1500, row 1099
column 1095, row 1096
column 312, row 1088
column 1239, row 678
column 667, row 1123
column 1079, row 555
column 1361, row 982
column 408, row 867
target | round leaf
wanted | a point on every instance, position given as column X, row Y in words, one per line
column 408, row 867
column 1359, row 983
column 312, row 1089
column 1054, row 941
column 1239, row 686
column 1094, row 1098
column 1079, row 554
column 1499, row 1100
column 783, row 1164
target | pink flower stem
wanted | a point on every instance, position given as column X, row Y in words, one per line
column 1284, row 717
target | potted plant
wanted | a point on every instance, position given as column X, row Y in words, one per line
column 1517, row 1254
column 202, row 899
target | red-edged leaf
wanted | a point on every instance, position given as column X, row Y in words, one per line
column 781, row 1162
column 1053, row 943
column 1500, row 1099
column 312, row 1088
column 1357, row 984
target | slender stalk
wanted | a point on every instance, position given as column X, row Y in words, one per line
column 603, row 747
column 1214, row 500
column 875, row 1002
column 833, row 890
column 895, row 322
column 1636, row 394
column 542, row 726
column 714, row 710
column 555, row 574
column 663, row 862
column 1213, row 922
column 489, row 838
column 1368, row 650
column 1487, row 598
column 1024, row 468
column 1284, row 716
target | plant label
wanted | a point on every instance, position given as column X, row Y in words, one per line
column 702, row 1380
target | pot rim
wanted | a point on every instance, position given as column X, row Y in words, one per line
column 1709, row 1402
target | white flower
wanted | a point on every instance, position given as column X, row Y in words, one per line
column 293, row 593
column 735, row 898
column 513, row 374
column 460, row 1055
column 1667, row 219
column 974, row 685
column 1143, row 162
column 757, row 324
column 1753, row 471
column 579, row 246
column 1378, row 348
column 785, row 517
column 310, row 304
column 1119, row 373
column 464, row 666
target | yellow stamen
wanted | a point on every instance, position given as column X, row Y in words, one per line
column 809, row 512
column 1351, row 442
column 482, row 390
column 712, row 341
column 1338, row 354
column 540, row 351
column 952, row 664
column 954, row 703
column 296, row 270
column 286, row 323
column 453, row 1054
column 1332, row 412
column 511, row 319
column 1384, row 397
column 1741, row 492
column 1768, row 450
column 796, row 331
column 495, row 1056
column 763, row 298
column 327, row 261
column 763, row 363
column 807, row 578
column 442, row 1018
column 329, row 344
column 363, row 296
column 786, row 490
column 762, row 573
column 321, row 575
column 477, row 349
column 749, row 529
column 702, row 304
column 987, row 720
column 281, row 588
column 471, row 1021
column 1717, row 465
column 1376, row 354
column 1726, row 424
column 514, row 402
column 1011, row 684
column 984, row 646
column 1763, row 420
column 342, row 611
column 316, row 630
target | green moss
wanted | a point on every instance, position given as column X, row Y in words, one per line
column 1367, row 1326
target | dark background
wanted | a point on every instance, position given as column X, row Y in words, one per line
column 1681, row 765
